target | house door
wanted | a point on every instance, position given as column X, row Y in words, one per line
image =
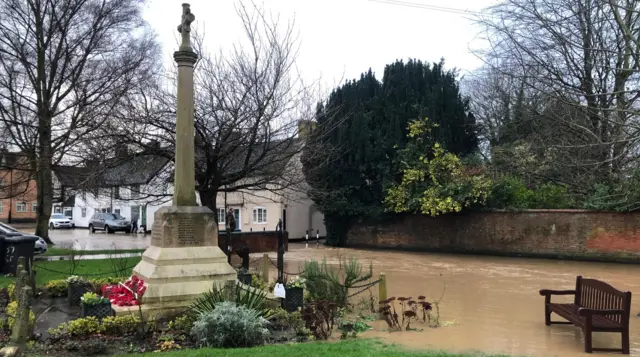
column 236, row 215
column 144, row 216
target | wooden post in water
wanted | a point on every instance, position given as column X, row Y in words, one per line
column 382, row 288
column 265, row 268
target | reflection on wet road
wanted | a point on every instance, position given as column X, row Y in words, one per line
column 492, row 302
column 81, row 239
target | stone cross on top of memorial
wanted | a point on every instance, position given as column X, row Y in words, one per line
column 185, row 27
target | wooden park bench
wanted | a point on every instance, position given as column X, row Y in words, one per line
column 597, row 307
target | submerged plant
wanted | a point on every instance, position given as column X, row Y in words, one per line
column 351, row 328
column 319, row 317
column 409, row 310
column 332, row 283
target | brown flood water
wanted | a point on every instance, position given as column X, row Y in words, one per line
column 491, row 304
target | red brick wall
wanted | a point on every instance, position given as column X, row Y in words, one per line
column 258, row 242
column 22, row 190
column 536, row 233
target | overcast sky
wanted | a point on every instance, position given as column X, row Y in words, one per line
column 341, row 38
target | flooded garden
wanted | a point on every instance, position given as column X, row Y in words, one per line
column 488, row 304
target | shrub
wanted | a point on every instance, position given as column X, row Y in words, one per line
column 324, row 282
column 168, row 345
column 352, row 328
column 93, row 299
column 250, row 298
column 511, row 192
column 12, row 309
column 75, row 279
column 11, row 289
column 56, row 288
column 112, row 325
column 183, row 323
column 84, row 327
column 120, row 325
column 281, row 320
column 257, row 281
column 230, row 325
column 319, row 317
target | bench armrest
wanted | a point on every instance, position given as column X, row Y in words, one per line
column 545, row 292
column 583, row 311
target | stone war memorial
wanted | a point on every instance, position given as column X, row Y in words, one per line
column 183, row 260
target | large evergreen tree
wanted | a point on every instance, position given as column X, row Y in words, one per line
column 361, row 128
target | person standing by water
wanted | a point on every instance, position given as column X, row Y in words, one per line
column 231, row 219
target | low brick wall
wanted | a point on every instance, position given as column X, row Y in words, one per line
column 258, row 242
column 544, row 233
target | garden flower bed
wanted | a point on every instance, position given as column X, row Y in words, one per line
column 230, row 316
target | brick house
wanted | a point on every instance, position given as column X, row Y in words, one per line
column 18, row 193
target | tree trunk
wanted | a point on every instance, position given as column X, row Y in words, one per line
column 44, row 180
column 45, row 202
column 208, row 198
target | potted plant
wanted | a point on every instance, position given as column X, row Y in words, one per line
column 76, row 287
column 294, row 294
column 244, row 276
column 94, row 305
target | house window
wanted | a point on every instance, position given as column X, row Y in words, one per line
column 117, row 211
column 259, row 215
column 221, row 215
column 135, row 191
column 57, row 209
column 116, row 192
column 83, row 212
column 34, row 207
column 21, row 207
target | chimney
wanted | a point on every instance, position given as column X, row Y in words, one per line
column 305, row 127
column 122, row 152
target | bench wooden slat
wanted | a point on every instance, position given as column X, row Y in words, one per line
column 597, row 307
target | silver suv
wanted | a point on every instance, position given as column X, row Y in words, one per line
column 109, row 222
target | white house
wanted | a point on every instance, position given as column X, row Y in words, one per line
column 261, row 209
column 131, row 186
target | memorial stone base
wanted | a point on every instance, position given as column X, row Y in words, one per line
column 183, row 261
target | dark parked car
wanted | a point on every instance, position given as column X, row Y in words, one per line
column 109, row 222
column 8, row 231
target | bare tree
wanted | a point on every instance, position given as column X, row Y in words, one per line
column 249, row 103
column 578, row 60
column 64, row 68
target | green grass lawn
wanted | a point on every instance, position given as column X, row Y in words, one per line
column 61, row 269
column 352, row 348
column 55, row 251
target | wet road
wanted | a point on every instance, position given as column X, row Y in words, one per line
column 81, row 239
column 492, row 304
